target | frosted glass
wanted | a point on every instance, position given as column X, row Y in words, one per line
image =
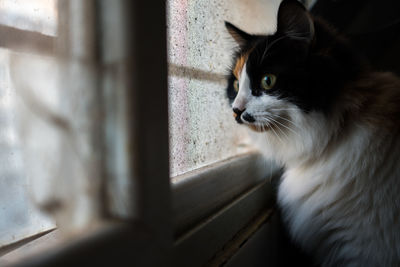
column 33, row 15
column 19, row 216
column 50, row 124
column 202, row 130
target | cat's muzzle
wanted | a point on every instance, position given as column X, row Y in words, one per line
column 241, row 115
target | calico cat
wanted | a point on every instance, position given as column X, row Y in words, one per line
column 319, row 109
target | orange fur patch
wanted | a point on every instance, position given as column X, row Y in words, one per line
column 240, row 63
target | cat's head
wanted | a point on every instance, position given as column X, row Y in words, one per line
column 274, row 78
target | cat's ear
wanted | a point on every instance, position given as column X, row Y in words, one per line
column 295, row 21
column 242, row 38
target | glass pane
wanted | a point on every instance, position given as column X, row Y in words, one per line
column 202, row 130
column 19, row 212
column 32, row 15
column 20, row 218
column 50, row 123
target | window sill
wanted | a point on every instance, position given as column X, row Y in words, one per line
column 14, row 253
column 210, row 207
column 198, row 194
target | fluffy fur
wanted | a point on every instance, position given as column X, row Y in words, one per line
column 334, row 123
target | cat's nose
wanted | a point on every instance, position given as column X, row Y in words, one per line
column 248, row 117
column 237, row 114
column 237, row 111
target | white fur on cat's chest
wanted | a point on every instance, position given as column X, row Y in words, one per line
column 345, row 201
column 302, row 198
column 299, row 195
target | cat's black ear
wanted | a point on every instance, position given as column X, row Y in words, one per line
column 242, row 38
column 295, row 21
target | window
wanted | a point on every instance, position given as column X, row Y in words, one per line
column 22, row 21
column 51, row 132
column 93, row 119
column 36, row 16
column 82, row 121
column 199, row 53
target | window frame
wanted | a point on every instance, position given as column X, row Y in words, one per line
column 16, row 38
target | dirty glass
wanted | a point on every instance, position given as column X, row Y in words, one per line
column 202, row 130
column 20, row 217
column 50, row 125
column 31, row 15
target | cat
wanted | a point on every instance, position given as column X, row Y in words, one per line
column 320, row 110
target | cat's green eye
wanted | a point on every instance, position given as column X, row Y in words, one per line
column 236, row 86
column 268, row 81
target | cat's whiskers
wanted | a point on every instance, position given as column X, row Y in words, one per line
column 267, row 47
column 285, row 132
column 265, row 51
column 284, row 135
column 267, row 120
column 289, row 34
column 288, row 109
column 267, row 114
column 270, row 111
column 272, row 128
column 278, row 116
column 279, row 128
column 283, row 118
column 290, row 129
column 269, row 144
column 299, row 35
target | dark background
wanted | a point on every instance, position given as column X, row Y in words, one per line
column 373, row 26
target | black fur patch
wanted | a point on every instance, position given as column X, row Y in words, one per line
column 230, row 90
column 310, row 71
